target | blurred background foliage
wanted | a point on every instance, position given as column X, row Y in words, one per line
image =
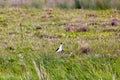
column 78, row 4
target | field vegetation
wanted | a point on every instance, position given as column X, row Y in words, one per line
column 30, row 36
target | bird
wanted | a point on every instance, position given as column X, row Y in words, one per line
column 58, row 50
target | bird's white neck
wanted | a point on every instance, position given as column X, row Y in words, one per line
column 60, row 46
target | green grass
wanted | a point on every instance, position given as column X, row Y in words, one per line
column 61, row 67
column 34, row 34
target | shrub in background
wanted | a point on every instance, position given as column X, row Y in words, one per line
column 36, row 4
column 115, row 4
column 78, row 4
column 102, row 4
column 3, row 3
column 65, row 4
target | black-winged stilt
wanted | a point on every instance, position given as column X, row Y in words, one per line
column 58, row 50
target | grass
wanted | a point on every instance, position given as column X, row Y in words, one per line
column 34, row 34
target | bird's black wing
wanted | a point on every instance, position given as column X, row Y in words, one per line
column 57, row 49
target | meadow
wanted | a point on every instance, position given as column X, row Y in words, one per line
column 30, row 36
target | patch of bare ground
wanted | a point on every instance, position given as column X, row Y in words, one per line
column 21, row 11
column 104, row 23
column 44, row 36
column 110, row 29
column 47, row 16
column 47, row 13
column 69, row 28
column 0, row 30
column 91, row 15
column 93, row 22
column 82, row 29
column 11, row 33
column 78, row 27
column 10, row 48
column 117, row 52
column 47, row 9
column 38, row 27
column 83, row 48
column 117, row 34
column 114, row 22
